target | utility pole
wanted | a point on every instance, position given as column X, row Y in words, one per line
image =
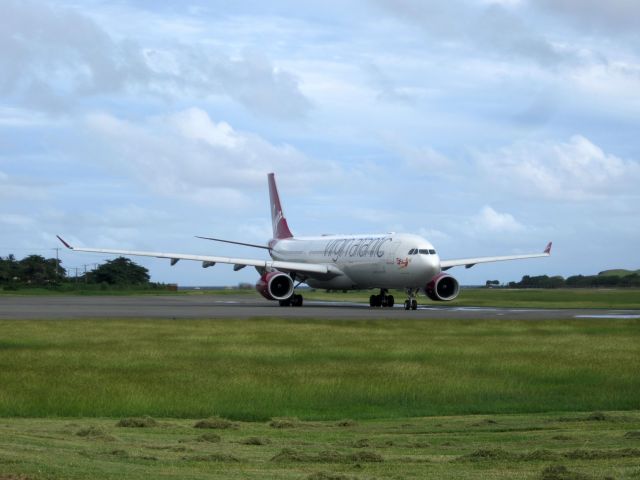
column 57, row 249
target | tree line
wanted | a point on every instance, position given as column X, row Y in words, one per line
column 578, row 281
column 37, row 271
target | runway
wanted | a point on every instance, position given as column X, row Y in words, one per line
column 239, row 307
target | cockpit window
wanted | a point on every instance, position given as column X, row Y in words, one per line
column 432, row 251
column 411, row 251
column 424, row 251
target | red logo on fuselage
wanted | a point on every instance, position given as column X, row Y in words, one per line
column 402, row 263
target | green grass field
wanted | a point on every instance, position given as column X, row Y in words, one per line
column 422, row 399
column 316, row 369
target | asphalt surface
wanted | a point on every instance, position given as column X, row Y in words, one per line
column 192, row 306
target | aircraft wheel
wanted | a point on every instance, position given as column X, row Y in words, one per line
column 407, row 304
column 296, row 300
column 414, row 304
column 390, row 300
column 285, row 303
column 372, row 301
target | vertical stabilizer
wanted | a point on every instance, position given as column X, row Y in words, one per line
column 279, row 223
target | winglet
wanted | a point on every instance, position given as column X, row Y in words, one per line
column 64, row 243
column 547, row 249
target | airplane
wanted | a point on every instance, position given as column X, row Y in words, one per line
column 345, row 262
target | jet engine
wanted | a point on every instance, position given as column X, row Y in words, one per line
column 442, row 287
column 275, row 286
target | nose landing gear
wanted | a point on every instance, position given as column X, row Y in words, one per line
column 411, row 303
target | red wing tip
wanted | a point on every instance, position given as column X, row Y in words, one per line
column 547, row 249
column 64, row 243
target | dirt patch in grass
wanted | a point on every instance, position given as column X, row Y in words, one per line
column 209, row 437
column 137, row 422
column 329, row 456
column 216, row 423
column 255, row 441
column 560, row 472
column 214, row 457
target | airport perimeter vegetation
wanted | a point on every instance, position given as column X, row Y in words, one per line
column 318, row 399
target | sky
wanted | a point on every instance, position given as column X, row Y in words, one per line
column 489, row 127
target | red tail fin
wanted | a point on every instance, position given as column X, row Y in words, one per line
column 279, row 223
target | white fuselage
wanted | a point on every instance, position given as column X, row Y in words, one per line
column 366, row 261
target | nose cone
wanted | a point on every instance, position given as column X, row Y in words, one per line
column 430, row 264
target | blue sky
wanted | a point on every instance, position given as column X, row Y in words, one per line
column 489, row 127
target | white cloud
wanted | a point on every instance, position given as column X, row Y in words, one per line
column 573, row 170
column 49, row 56
column 52, row 58
column 15, row 220
column 187, row 154
column 425, row 160
column 487, row 28
column 490, row 220
column 22, row 187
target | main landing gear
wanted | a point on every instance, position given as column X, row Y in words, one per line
column 411, row 303
column 382, row 300
column 294, row 300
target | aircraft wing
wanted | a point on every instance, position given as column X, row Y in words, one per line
column 470, row 262
column 209, row 260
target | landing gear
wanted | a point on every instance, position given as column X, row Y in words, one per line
column 294, row 300
column 382, row 300
column 411, row 303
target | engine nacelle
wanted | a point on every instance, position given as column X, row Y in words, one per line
column 442, row 287
column 275, row 286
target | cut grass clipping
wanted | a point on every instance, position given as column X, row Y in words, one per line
column 315, row 369
column 523, row 446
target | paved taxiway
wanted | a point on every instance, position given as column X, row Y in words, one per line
column 192, row 306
